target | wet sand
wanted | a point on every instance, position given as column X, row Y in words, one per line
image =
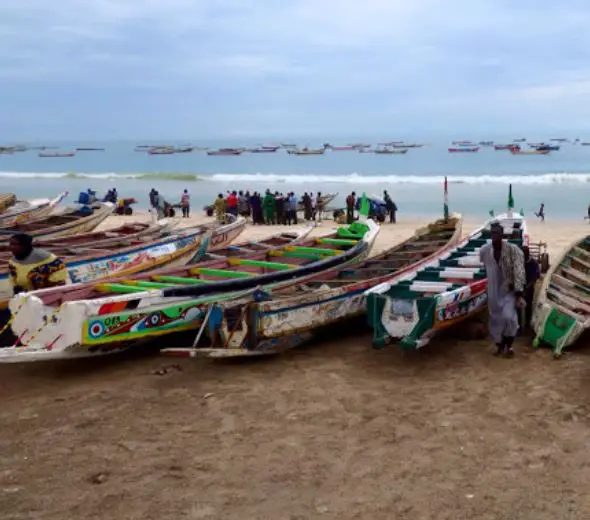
column 335, row 430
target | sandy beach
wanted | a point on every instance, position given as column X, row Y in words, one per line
column 334, row 430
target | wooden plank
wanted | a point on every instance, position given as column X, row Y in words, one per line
column 569, row 284
column 578, row 275
column 574, row 304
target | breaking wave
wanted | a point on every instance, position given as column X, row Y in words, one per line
column 353, row 178
column 167, row 176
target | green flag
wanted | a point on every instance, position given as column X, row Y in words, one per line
column 510, row 198
column 365, row 207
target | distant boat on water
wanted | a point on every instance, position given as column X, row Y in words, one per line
column 308, row 151
column 486, row 143
column 390, row 151
column 504, row 146
column 521, row 140
column 345, row 148
column 90, row 149
column 57, row 154
column 549, row 147
column 559, row 139
column 464, row 149
column 517, row 151
column 225, row 151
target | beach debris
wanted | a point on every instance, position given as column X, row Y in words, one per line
column 98, row 478
column 165, row 369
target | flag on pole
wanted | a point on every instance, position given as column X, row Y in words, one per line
column 364, row 209
column 446, row 200
column 510, row 198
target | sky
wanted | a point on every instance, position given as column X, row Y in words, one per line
column 198, row 69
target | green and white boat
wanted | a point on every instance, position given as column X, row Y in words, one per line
column 562, row 311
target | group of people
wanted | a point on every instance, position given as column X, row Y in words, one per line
column 377, row 211
column 165, row 209
column 272, row 208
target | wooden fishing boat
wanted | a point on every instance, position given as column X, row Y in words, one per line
column 56, row 154
column 307, row 151
column 6, row 201
column 228, row 151
column 63, row 221
column 439, row 293
column 132, row 234
column 562, row 310
column 505, row 146
column 535, row 151
column 464, row 149
column 88, row 264
column 390, row 151
column 28, row 211
column 325, row 199
column 95, row 319
column 277, row 319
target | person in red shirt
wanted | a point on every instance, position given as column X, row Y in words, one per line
column 232, row 203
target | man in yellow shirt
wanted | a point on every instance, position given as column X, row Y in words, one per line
column 31, row 268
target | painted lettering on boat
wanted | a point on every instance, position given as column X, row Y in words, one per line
column 100, row 268
column 458, row 310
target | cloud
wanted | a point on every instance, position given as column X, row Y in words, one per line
column 319, row 67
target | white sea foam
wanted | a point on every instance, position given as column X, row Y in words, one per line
column 353, row 178
column 357, row 179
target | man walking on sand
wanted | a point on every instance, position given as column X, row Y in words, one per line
column 504, row 264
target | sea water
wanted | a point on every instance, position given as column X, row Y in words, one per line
column 477, row 182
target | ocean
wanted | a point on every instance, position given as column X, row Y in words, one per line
column 478, row 182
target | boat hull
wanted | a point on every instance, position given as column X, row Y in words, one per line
column 29, row 214
column 177, row 250
column 562, row 311
column 98, row 326
column 271, row 327
column 400, row 314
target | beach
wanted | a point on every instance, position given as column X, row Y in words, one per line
column 333, row 430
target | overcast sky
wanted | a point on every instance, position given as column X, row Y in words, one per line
column 97, row 69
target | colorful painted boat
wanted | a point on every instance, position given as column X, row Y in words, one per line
column 28, row 211
column 132, row 234
column 92, row 264
column 278, row 319
column 562, row 310
column 440, row 293
column 61, row 222
column 100, row 318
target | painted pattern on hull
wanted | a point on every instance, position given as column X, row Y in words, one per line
column 137, row 325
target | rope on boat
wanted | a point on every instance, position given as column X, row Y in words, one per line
column 11, row 319
column 50, row 318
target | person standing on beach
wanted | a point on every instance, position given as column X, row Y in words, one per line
column 219, row 206
column 307, row 211
column 319, row 206
column 541, row 213
column 153, row 194
column 232, row 203
column 292, row 209
column 268, row 205
column 532, row 274
column 243, row 205
column 504, row 264
column 256, row 205
column 185, row 204
column 390, row 207
column 350, row 202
